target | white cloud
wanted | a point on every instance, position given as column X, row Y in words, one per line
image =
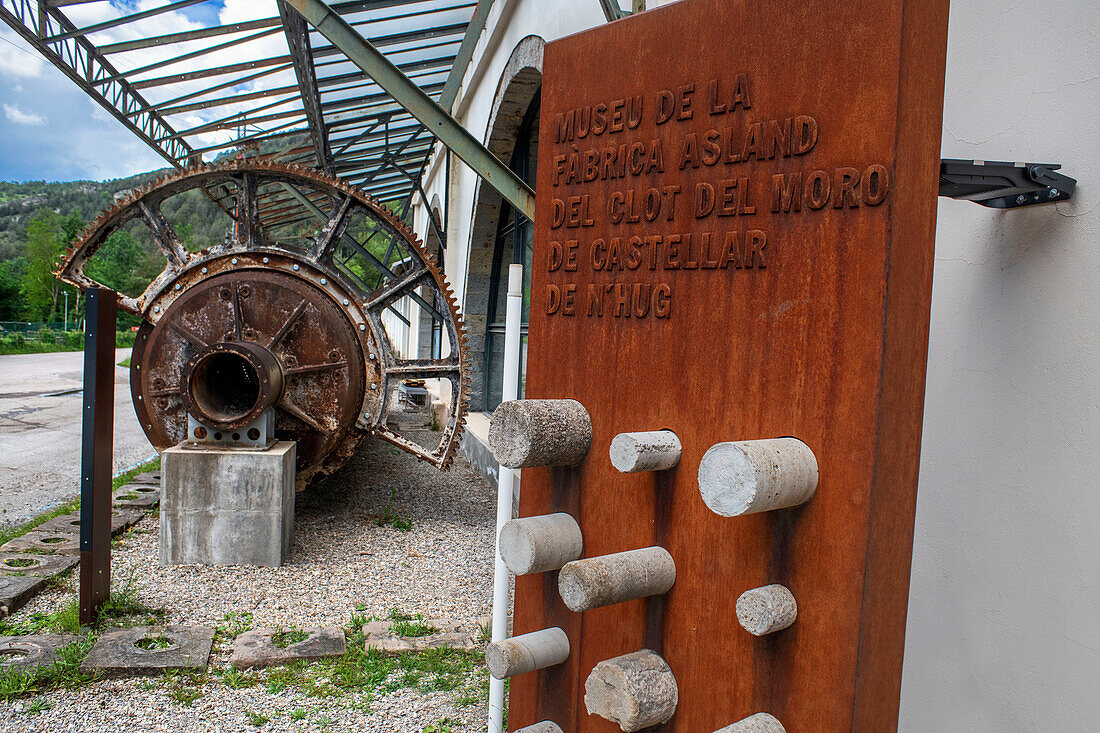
column 16, row 58
column 21, row 117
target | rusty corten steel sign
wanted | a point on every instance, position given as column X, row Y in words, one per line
column 734, row 241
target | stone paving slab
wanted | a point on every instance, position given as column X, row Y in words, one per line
column 380, row 635
column 55, row 543
column 121, row 520
column 16, row 590
column 24, row 653
column 150, row 478
column 257, row 648
column 118, row 653
column 137, row 496
column 43, row 566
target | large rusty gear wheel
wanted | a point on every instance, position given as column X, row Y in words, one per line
column 319, row 317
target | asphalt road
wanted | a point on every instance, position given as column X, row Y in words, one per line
column 40, row 405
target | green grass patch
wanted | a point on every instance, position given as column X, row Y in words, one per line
column 256, row 719
column 125, row 362
column 410, row 625
column 64, row 673
column 152, row 643
column 392, row 519
column 283, row 639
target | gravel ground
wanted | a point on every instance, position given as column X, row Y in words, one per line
column 345, row 560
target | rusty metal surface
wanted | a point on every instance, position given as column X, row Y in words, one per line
column 96, row 454
column 675, row 288
column 303, row 327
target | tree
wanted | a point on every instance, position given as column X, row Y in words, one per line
column 11, row 274
column 48, row 236
column 122, row 265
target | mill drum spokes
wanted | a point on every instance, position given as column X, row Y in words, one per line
column 301, row 314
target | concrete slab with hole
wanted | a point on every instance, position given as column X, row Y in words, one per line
column 144, row 650
column 449, row 635
column 16, row 590
column 55, row 543
column 149, row 478
column 25, row 653
column 137, row 497
column 261, row 647
column 121, row 520
column 43, row 566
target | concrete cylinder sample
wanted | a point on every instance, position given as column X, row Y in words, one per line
column 527, row 652
column 635, row 690
column 654, row 450
column 757, row 476
column 529, row 433
column 544, row 727
column 759, row 723
column 623, row 576
column 538, row 544
column 765, row 610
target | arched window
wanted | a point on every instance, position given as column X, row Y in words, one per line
column 514, row 240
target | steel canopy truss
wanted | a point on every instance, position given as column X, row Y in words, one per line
column 269, row 86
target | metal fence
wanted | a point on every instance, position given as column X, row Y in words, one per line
column 32, row 331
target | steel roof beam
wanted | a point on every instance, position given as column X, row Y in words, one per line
column 372, row 99
column 223, row 101
column 130, row 73
column 612, row 11
column 185, row 36
column 465, row 53
column 297, row 40
column 439, row 123
column 114, row 23
column 262, row 134
column 283, row 61
column 223, row 85
column 436, row 63
column 399, row 38
column 227, row 123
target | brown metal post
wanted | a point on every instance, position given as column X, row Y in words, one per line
column 97, row 443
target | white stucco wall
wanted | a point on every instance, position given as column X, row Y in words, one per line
column 1004, row 606
column 1004, row 618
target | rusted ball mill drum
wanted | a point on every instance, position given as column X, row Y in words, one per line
column 286, row 315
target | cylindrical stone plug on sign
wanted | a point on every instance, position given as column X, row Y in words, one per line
column 623, row 576
column 653, row 450
column 545, row 726
column 538, row 544
column 635, row 690
column 757, row 476
column 765, row 610
column 759, row 723
column 527, row 652
column 530, row 433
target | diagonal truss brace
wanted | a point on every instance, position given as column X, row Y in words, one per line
column 297, row 40
column 55, row 37
column 411, row 97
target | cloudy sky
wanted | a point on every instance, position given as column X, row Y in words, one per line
column 51, row 130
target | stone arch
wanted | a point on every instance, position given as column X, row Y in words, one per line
column 518, row 85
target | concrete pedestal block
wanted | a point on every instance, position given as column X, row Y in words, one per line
column 223, row 506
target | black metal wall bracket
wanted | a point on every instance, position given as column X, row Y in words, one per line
column 1004, row 185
